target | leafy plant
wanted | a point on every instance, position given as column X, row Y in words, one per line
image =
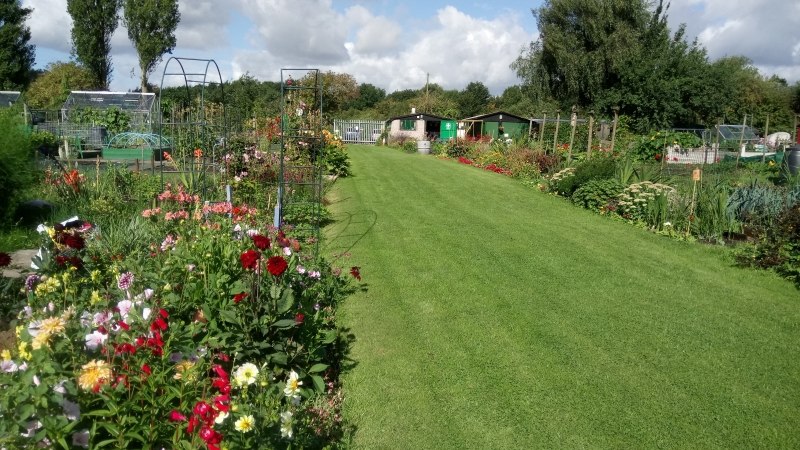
column 597, row 195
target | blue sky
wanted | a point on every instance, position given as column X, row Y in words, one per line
column 395, row 44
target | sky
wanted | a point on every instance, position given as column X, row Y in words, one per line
column 394, row 45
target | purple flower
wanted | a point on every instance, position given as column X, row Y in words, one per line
column 125, row 281
column 300, row 269
column 190, row 267
column 30, row 281
column 8, row 366
column 316, row 306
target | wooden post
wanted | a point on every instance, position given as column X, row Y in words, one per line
column 695, row 178
column 541, row 130
column 574, row 123
column 716, row 148
column 766, row 132
column 555, row 136
column 137, row 165
column 153, row 163
column 741, row 140
column 614, row 129
column 589, row 144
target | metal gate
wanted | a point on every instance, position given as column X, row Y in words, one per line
column 358, row 131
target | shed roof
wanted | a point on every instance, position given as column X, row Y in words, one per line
column 418, row 116
column 498, row 116
column 8, row 98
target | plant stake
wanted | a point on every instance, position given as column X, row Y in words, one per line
column 573, row 122
column 741, row 140
column 555, row 136
column 764, row 150
column 614, row 130
column 695, row 178
column 541, row 130
column 589, row 144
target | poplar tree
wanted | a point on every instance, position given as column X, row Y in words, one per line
column 151, row 28
column 93, row 24
column 16, row 54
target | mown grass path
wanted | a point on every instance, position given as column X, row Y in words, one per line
column 499, row 317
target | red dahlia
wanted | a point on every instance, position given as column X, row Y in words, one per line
column 5, row 259
column 239, row 297
column 249, row 259
column 74, row 241
column 262, row 242
column 354, row 271
column 277, row 265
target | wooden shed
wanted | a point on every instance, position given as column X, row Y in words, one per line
column 422, row 126
column 498, row 125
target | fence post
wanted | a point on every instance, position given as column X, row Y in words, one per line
column 614, row 130
column 555, row 136
column 766, row 132
column 741, row 140
column 589, row 144
column 574, row 123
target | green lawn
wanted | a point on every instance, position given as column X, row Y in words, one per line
column 500, row 317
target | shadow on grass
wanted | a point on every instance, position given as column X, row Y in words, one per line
column 350, row 229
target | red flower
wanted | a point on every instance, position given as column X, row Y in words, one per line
column 249, row 259
column 354, row 271
column 175, row 416
column 262, row 242
column 239, row 297
column 223, row 357
column 163, row 313
column 146, row 369
column 5, row 259
column 193, row 423
column 76, row 262
column 74, row 241
column 124, row 326
column 201, row 408
column 206, row 433
column 299, row 318
column 159, row 324
column 220, row 371
column 675, row 158
column 61, row 260
column 277, row 265
column 658, row 156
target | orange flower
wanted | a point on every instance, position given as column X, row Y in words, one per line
column 198, row 153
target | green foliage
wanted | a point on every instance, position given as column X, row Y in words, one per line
column 336, row 160
column 595, row 195
column 459, row 147
column 759, row 205
column 598, row 168
column 16, row 54
column 44, row 140
column 51, row 89
column 151, row 28
column 779, row 249
column 711, row 219
column 93, row 24
column 16, row 161
column 652, row 148
column 474, row 99
column 112, row 119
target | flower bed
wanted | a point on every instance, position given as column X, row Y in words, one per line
column 221, row 335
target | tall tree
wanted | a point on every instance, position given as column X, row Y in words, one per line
column 151, row 28
column 473, row 99
column 16, row 54
column 93, row 24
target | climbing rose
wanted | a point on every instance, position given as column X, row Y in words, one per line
column 277, row 265
column 262, row 242
column 249, row 259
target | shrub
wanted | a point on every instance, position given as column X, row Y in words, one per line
column 635, row 201
column 780, row 248
column 652, row 147
column 598, row 195
column 599, row 168
column 336, row 160
column 456, row 148
column 16, row 162
column 547, row 163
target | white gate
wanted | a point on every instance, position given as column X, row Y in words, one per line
column 358, row 131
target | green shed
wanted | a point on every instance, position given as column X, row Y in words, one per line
column 498, row 125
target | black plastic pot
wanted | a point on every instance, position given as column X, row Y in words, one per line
column 791, row 160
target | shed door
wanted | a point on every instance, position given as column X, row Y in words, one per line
column 448, row 130
column 490, row 128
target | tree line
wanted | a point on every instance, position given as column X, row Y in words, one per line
column 151, row 26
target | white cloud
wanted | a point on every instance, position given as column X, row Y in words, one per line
column 203, row 24
column 455, row 49
column 766, row 31
column 50, row 24
column 377, row 35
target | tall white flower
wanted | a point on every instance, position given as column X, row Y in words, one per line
column 81, row 439
column 292, row 385
column 246, row 374
column 125, row 307
column 286, row 424
column 71, row 410
column 8, row 366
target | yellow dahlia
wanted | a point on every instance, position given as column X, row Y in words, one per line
column 93, row 374
column 52, row 325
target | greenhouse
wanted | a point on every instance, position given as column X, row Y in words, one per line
column 141, row 107
column 8, row 98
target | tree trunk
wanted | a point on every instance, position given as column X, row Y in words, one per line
column 144, row 81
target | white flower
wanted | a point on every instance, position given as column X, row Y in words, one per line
column 287, row 251
column 221, row 417
column 60, row 387
column 314, row 274
column 31, row 427
column 252, row 232
column 23, row 367
column 102, row 318
column 95, row 340
column 86, row 319
column 145, row 313
column 71, row 410
column 125, row 307
column 286, row 424
column 36, row 381
column 33, row 328
column 81, row 439
column 148, row 293
column 246, row 374
column 176, row 357
column 300, row 269
column 8, row 366
column 292, row 385
column 667, row 224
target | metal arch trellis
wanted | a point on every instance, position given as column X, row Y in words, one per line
column 300, row 186
column 194, row 138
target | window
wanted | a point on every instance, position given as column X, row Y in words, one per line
column 408, row 125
